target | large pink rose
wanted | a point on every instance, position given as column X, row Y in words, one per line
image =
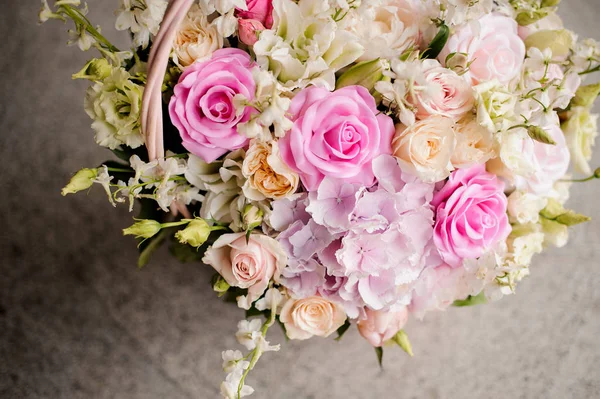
column 335, row 134
column 202, row 106
column 260, row 10
column 470, row 216
column 496, row 51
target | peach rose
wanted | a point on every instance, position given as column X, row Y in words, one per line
column 474, row 143
column 268, row 176
column 249, row 265
column 425, row 148
column 380, row 326
column 447, row 93
column 196, row 39
column 304, row 318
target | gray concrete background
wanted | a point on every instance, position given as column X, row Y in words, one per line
column 78, row 320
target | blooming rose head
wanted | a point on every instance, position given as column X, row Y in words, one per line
column 203, row 107
column 474, row 143
column 581, row 130
column 380, row 326
column 258, row 10
column 304, row 318
column 268, row 176
column 248, row 30
column 470, row 215
column 247, row 264
column 447, row 93
column 335, row 134
column 496, row 51
column 196, row 39
column 425, row 148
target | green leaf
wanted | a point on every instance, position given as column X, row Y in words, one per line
column 379, row 353
column 152, row 245
column 342, row 330
column 471, row 300
column 401, row 338
column 438, row 42
column 253, row 312
column 185, row 253
column 124, row 153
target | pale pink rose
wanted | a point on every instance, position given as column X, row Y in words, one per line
column 202, row 107
column 550, row 162
column 381, row 326
column 247, row 264
column 248, row 30
column 447, row 93
column 470, row 215
column 304, row 318
column 259, row 10
column 495, row 50
column 335, row 134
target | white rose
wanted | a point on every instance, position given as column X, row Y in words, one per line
column 304, row 318
column 495, row 105
column 525, row 207
column 581, row 130
column 425, row 148
column 196, row 39
column 474, row 143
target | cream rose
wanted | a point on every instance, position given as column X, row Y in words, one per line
column 447, row 94
column 248, row 264
column 380, row 326
column 304, row 318
column 268, row 176
column 425, row 148
column 474, row 143
column 196, row 39
column 581, row 130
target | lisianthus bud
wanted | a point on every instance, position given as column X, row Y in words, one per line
column 195, row 234
column 458, row 62
column 81, row 181
column 252, row 217
column 539, row 134
column 549, row 3
column 586, row 95
column 248, row 30
column 558, row 41
column 365, row 74
column 597, row 173
column 96, row 70
column 145, row 228
column 220, row 285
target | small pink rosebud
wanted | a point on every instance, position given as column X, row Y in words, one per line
column 249, row 30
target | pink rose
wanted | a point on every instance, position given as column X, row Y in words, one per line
column 550, row 162
column 260, row 10
column 335, row 134
column 380, row 326
column 249, row 265
column 248, row 30
column 496, row 51
column 202, row 106
column 470, row 216
column 448, row 94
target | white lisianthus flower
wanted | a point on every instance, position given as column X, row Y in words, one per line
column 524, row 242
column 114, row 104
column 142, row 17
column 581, row 130
column 495, row 105
column 525, row 207
column 196, row 39
column 305, row 45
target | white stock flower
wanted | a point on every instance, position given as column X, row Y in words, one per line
column 249, row 332
column 305, row 45
column 233, row 360
column 525, row 207
column 114, row 105
column 142, row 18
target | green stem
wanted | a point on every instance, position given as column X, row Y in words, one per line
column 591, row 70
column 119, row 170
column 80, row 19
column 592, row 177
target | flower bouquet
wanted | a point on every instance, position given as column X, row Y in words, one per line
column 341, row 163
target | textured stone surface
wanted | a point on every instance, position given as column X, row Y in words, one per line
column 78, row 320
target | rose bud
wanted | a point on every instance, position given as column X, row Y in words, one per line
column 248, row 30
